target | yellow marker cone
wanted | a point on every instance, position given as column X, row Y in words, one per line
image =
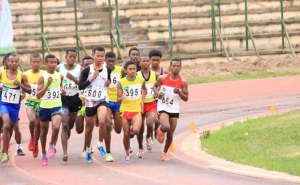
column 272, row 108
column 192, row 127
column 172, row 148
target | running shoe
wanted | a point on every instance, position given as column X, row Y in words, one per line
column 149, row 143
column 89, row 158
column 128, row 159
column 4, row 158
column 44, row 160
column 140, row 154
column 160, row 136
column 65, row 158
column 165, row 157
column 31, row 144
column 51, row 151
column 20, row 152
column 83, row 154
column 102, row 151
column 109, row 158
column 35, row 151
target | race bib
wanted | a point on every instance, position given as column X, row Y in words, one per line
column 52, row 94
column 70, row 85
column 114, row 79
column 133, row 92
column 168, row 100
column 150, row 91
column 11, row 95
column 33, row 91
column 94, row 92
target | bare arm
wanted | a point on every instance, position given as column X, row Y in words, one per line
column 25, row 85
column 41, row 90
column 184, row 94
column 144, row 91
column 120, row 96
column 158, row 84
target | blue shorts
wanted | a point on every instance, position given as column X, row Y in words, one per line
column 114, row 106
column 11, row 110
column 46, row 114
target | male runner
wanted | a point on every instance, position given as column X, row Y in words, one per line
column 32, row 104
column 172, row 89
column 13, row 82
column 132, row 98
column 149, row 112
column 113, row 105
column 134, row 55
column 86, row 61
column 94, row 80
column 155, row 57
column 71, row 103
column 50, row 90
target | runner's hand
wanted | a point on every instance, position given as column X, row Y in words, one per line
column 1, row 87
column 63, row 92
column 70, row 76
column 49, row 81
column 96, row 73
column 160, row 95
column 176, row 90
column 155, row 95
column 17, row 83
column 123, row 96
column 107, row 83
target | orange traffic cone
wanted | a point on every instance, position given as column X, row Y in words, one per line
column 172, row 148
column 272, row 108
column 192, row 127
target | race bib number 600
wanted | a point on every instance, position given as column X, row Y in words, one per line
column 94, row 92
column 11, row 95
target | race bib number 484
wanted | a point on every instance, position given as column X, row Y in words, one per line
column 11, row 95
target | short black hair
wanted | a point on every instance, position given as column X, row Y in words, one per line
column 87, row 58
column 50, row 56
column 133, row 49
column 6, row 57
column 155, row 53
column 70, row 50
column 175, row 60
column 110, row 54
column 35, row 55
column 12, row 55
column 129, row 63
column 98, row 48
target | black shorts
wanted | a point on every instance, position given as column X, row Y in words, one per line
column 72, row 103
column 92, row 111
column 171, row 115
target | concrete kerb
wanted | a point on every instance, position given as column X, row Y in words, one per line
column 189, row 146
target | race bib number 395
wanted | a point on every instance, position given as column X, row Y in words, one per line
column 133, row 92
column 52, row 94
column 11, row 95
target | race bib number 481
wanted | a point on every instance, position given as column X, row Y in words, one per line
column 11, row 95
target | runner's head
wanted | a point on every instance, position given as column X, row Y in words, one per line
column 130, row 67
column 51, row 62
column 87, row 60
column 5, row 60
column 98, row 53
column 175, row 66
column 35, row 61
column 155, row 57
column 71, row 56
column 13, row 62
column 145, row 62
column 134, row 55
column 110, row 59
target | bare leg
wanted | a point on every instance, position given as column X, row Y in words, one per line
column 44, row 132
column 173, row 124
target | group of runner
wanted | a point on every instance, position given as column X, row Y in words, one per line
column 140, row 94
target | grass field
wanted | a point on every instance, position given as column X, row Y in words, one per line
column 243, row 76
column 271, row 143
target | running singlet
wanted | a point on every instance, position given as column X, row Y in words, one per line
column 149, row 84
column 161, row 71
column 115, row 76
column 96, row 92
column 133, row 94
column 170, row 101
column 33, row 80
column 70, row 86
column 11, row 94
column 52, row 97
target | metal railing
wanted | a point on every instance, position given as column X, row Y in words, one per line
column 222, row 42
column 118, row 46
column 288, row 38
column 252, row 39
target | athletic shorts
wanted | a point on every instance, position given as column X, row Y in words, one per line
column 11, row 110
column 81, row 112
column 114, row 106
column 129, row 115
column 71, row 104
column 35, row 105
column 46, row 114
column 171, row 115
column 92, row 111
column 149, row 107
